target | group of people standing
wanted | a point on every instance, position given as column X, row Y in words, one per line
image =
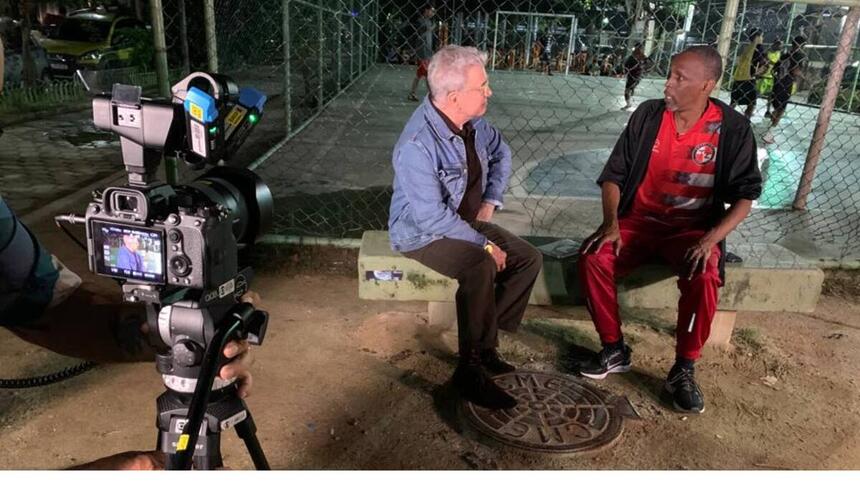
column 772, row 75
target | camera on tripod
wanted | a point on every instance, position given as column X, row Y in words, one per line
column 175, row 248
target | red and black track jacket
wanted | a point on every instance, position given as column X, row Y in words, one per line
column 737, row 173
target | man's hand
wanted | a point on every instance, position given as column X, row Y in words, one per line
column 485, row 213
column 127, row 461
column 697, row 257
column 499, row 256
column 240, row 354
column 606, row 233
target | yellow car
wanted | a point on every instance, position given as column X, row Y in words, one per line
column 94, row 40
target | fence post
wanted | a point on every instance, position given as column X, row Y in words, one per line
column 157, row 18
column 843, row 51
column 740, row 30
column 360, row 44
column 320, row 47
column 287, row 60
column 790, row 24
column 339, row 51
column 351, row 39
column 495, row 41
column 183, row 33
column 378, row 24
column 211, row 40
column 725, row 40
column 570, row 45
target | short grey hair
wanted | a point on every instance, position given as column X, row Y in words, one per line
column 447, row 70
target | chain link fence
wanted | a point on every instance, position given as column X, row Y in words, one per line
column 338, row 73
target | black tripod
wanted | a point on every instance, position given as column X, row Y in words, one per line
column 181, row 433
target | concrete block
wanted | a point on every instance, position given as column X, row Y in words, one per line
column 385, row 274
column 721, row 330
column 771, row 278
column 442, row 314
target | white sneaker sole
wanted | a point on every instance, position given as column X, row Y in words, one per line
column 600, row 376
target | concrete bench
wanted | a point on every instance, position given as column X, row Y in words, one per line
column 770, row 278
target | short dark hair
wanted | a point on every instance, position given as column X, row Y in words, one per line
column 799, row 40
column 754, row 32
column 710, row 57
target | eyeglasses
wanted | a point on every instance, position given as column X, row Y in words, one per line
column 485, row 88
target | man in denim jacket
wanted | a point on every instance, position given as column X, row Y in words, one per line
column 450, row 171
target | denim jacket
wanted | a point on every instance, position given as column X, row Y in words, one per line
column 430, row 177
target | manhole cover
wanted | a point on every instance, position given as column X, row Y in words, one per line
column 555, row 413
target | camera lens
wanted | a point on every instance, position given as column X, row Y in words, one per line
column 180, row 266
column 244, row 194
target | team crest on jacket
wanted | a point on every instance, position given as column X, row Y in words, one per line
column 704, row 153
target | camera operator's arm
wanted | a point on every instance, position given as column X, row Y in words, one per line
column 41, row 302
column 89, row 326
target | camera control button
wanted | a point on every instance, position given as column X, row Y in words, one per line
column 180, row 266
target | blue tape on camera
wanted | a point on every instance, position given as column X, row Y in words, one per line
column 252, row 98
column 201, row 105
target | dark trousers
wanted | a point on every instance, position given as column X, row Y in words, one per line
column 487, row 300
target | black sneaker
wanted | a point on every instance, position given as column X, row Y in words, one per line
column 493, row 363
column 686, row 395
column 476, row 386
column 606, row 362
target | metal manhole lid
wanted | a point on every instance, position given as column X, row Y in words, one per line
column 554, row 413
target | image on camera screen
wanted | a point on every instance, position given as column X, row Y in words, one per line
column 129, row 252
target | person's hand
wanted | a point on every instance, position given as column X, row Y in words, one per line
column 697, row 257
column 606, row 233
column 485, row 213
column 240, row 354
column 499, row 256
column 127, row 461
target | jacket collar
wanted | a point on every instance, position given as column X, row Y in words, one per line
column 437, row 124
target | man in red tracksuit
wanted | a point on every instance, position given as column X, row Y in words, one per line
column 676, row 166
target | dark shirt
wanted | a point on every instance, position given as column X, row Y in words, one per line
column 759, row 60
column 634, row 66
column 790, row 64
column 471, row 202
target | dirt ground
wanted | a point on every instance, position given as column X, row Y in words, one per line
column 343, row 383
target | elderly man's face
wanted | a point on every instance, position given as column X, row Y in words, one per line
column 688, row 82
column 472, row 98
column 131, row 242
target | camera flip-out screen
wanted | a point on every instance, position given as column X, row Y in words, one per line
column 130, row 252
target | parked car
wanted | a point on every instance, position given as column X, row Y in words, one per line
column 13, row 68
column 95, row 40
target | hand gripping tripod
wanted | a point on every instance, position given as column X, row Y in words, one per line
column 197, row 406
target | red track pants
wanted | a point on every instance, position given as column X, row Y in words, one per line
column 643, row 241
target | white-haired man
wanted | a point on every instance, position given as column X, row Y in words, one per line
column 450, row 172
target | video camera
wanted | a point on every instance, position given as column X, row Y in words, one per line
column 175, row 248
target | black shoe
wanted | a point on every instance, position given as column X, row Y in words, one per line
column 476, row 386
column 606, row 362
column 494, row 364
column 686, row 395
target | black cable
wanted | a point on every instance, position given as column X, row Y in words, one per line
column 64, row 374
column 71, row 236
column 38, row 381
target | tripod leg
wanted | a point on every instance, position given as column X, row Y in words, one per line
column 247, row 431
